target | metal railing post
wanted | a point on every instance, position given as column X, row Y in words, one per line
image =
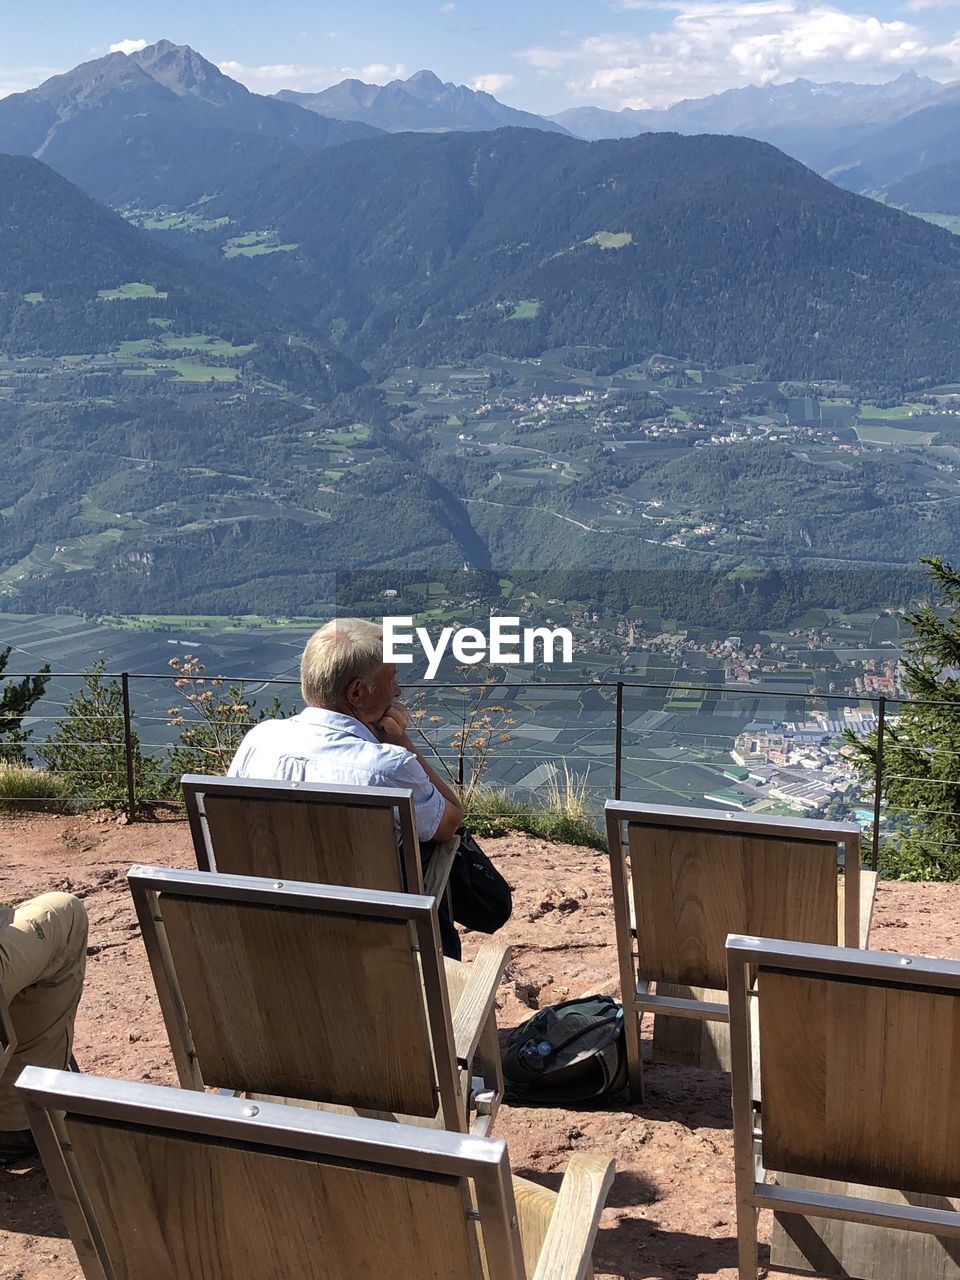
column 462, row 739
column 618, row 751
column 128, row 748
column 877, row 780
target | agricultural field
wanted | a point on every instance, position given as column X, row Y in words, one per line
column 162, row 220
column 133, row 290
column 895, row 413
column 526, row 309
column 255, row 244
column 880, row 433
column 611, row 239
column 202, row 343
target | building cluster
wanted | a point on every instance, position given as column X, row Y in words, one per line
column 803, row 764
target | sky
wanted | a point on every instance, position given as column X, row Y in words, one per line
column 540, row 55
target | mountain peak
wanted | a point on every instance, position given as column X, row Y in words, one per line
column 421, row 102
column 425, row 79
column 182, row 69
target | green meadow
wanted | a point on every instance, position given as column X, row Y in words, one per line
column 126, row 292
column 526, row 309
column 611, row 239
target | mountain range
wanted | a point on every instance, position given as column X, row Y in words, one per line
column 799, row 107
column 161, row 126
column 165, row 127
column 257, row 369
column 421, row 249
column 438, row 245
column 887, row 139
column 422, row 102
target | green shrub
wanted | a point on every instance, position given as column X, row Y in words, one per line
column 19, row 782
column 87, row 749
column 493, row 812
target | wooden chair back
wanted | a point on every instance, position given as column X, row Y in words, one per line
column 855, row 1056
column 162, row 1184
column 859, row 1077
column 696, row 875
column 310, row 992
column 360, row 836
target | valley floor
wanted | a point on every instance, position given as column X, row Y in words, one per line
column 670, row 1214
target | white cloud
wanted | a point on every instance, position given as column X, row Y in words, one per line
column 128, row 46
column 494, row 82
column 447, row 8
column 710, row 45
column 20, row 79
column 380, row 72
column 309, row 79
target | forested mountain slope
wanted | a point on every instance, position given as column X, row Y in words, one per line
column 421, row 248
column 76, row 277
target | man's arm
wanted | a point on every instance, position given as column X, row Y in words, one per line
column 393, row 729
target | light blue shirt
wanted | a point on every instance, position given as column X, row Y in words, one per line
column 323, row 746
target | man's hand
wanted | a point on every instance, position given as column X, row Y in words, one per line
column 393, row 727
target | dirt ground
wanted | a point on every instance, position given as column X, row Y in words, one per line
column 670, row 1214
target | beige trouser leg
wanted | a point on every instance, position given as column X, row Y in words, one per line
column 43, row 946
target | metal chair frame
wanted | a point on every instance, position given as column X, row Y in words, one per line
column 636, row 990
column 455, row 1040
column 747, row 956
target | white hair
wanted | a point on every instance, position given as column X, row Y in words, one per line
column 343, row 650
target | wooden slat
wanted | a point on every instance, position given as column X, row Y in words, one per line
column 437, row 871
column 833, row 1247
column 302, row 1004
column 868, row 893
column 535, row 1209
column 692, row 888
column 858, row 1081
column 686, row 1042
column 173, row 1208
column 868, row 889
column 566, row 1250
column 478, row 998
column 295, row 840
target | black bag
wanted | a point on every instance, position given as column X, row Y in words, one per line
column 568, row 1052
column 480, row 897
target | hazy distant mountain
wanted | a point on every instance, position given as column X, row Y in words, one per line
column 900, row 140
column 421, row 102
column 162, row 126
column 896, row 160
column 932, row 190
column 420, row 249
column 799, row 102
column 807, row 120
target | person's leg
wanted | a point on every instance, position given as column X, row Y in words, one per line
column 42, row 958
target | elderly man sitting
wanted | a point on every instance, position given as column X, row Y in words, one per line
column 354, row 731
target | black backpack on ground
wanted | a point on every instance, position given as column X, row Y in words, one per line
column 568, row 1052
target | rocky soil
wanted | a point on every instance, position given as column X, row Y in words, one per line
column 670, row 1215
